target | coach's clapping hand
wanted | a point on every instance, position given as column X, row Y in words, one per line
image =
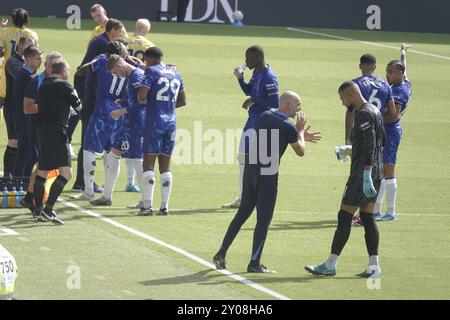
column 301, row 121
column 312, row 136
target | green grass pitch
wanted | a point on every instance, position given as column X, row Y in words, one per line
column 115, row 264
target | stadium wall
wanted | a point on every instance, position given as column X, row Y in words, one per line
column 399, row 15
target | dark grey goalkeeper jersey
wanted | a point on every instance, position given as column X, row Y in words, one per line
column 368, row 138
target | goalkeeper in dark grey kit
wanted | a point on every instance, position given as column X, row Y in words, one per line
column 368, row 138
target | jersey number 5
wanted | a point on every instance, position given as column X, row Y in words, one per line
column 173, row 85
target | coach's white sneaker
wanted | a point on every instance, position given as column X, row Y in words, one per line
column 84, row 196
column 233, row 205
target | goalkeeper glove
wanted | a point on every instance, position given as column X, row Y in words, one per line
column 368, row 188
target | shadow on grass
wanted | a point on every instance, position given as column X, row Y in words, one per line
column 211, row 277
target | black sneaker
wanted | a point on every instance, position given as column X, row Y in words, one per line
column 77, row 187
column 29, row 205
column 38, row 216
column 163, row 212
column 258, row 268
column 51, row 216
column 145, row 212
column 219, row 261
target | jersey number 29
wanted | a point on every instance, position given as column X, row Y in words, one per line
column 173, row 85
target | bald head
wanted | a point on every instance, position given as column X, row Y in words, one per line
column 351, row 95
column 290, row 103
column 142, row 27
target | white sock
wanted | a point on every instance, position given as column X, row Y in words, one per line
column 137, row 164
column 148, row 186
column 166, row 188
column 332, row 261
column 130, row 170
column 380, row 196
column 391, row 193
column 111, row 173
column 89, row 171
column 241, row 179
column 373, row 261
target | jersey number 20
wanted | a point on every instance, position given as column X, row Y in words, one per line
column 173, row 85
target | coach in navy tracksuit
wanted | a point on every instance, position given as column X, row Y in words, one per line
column 268, row 141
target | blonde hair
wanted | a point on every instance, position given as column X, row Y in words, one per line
column 142, row 26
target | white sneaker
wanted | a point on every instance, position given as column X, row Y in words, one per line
column 233, row 205
column 138, row 205
column 83, row 196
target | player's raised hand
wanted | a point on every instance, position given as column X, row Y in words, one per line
column 3, row 23
column 404, row 47
column 238, row 73
column 313, row 137
column 301, row 121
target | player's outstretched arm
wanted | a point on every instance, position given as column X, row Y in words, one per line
column 403, row 48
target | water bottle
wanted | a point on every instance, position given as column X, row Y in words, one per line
column 12, row 196
column 20, row 196
column 5, row 197
column 243, row 67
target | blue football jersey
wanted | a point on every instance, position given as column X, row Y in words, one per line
column 402, row 93
column 263, row 91
column 375, row 90
column 164, row 82
column 109, row 87
column 135, row 114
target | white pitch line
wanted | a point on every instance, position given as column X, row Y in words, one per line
column 176, row 249
column 327, row 35
column 442, row 215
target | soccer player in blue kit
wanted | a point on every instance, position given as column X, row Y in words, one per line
column 401, row 90
column 376, row 91
column 127, row 139
column 263, row 91
column 101, row 126
column 162, row 91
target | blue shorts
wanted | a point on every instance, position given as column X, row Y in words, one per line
column 129, row 141
column 159, row 140
column 394, row 135
column 99, row 133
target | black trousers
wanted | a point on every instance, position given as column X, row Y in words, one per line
column 26, row 152
column 259, row 191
